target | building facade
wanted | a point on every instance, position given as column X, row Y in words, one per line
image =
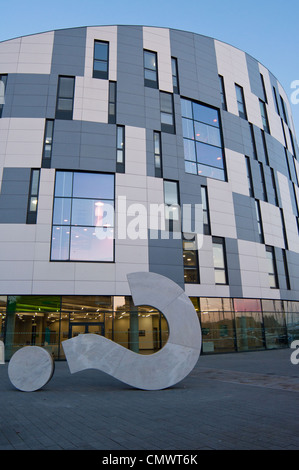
column 101, row 125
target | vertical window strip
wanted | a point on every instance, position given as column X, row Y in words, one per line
column 274, row 187
column 286, row 269
column 150, row 69
column 157, row 154
column 265, row 147
column 276, row 101
column 101, row 60
column 3, row 82
column 112, row 103
column 175, row 75
column 190, row 260
column 249, row 177
column 120, row 149
column 254, row 151
column 48, row 142
column 263, row 182
column 241, row 101
column 33, row 197
column 284, row 112
column 264, row 88
column 65, row 97
column 222, row 93
column 284, row 232
column 219, row 260
column 205, row 210
column 167, row 112
column 272, row 270
column 264, row 116
column 259, row 221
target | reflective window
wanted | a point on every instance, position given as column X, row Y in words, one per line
column 157, row 154
column 264, row 117
column 120, row 149
column 33, row 197
column 101, row 59
column 65, row 97
column 241, row 101
column 217, row 324
column 83, row 217
column 219, row 260
column 175, row 77
column 190, row 259
column 3, row 81
column 272, row 272
column 274, row 324
column 167, row 113
column 150, row 69
column 202, row 140
column 48, row 141
column 222, row 93
column 112, row 103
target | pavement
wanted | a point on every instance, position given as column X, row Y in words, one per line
column 240, row 401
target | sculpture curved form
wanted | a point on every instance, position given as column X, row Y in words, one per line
column 157, row 371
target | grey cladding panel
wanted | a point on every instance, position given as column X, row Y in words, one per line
column 68, row 56
column 14, row 195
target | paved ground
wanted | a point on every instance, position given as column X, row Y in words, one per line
column 233, row 401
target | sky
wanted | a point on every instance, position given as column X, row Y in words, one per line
column 266, row 29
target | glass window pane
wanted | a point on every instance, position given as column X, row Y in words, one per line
column 186, row 108
column 64, row 183
column 66, row 87
column 166, row 119
column 209, row 155
column 62, row 211
column 33, row 204
column 208, row 134
column 65, row 104
column 189, row 150
column 120, row 137
column 188, row 128
column 150, row 75
column 101, row 51
column 166, row 102
column 60, row 243
column 211, row 172
column 190, row 167
column 220, row 277
column 89, row 212
column 150, row 60
column 120, row 156
column 34, row 182
column 218, row 255
column 100, row 65
column 91, row 244
column 170, row 192
column 93, row 186
column 205, row 114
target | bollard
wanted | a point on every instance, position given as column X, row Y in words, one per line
column 2, row 359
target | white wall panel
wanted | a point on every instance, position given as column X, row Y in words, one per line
column 222, row 214
column 157, row 40
column 272, row 225
column 237, row 173
column 35, row 53
column 91, row 100
column 24, row 143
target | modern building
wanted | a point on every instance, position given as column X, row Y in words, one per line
column 101, row 125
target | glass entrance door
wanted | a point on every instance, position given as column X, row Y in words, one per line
column 80, row 328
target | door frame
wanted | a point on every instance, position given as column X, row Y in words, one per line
column 86, row 324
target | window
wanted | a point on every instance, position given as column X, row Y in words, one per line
column 150, row 69
column 264, row 117
column 219, row 260
column 284, row 232
column 265, row 147
column 33, row 197
column 272, row 271
column 190, row 258
column 259, row 221
column 263, row 183
column 48, row 141
column 203, row 148
column 112, row 103
column 241, row 101
column 167, row 114
column 254, row 151
column 276, row 101
column 286, row 269
column 264, row 89
column 205, row 211
column 120, row 149
column 158, row 154
column 274, row 187
column 3, row 81
column 83, row 217
column 284, row 111
column 175, row 75
column 101, row 60
column 222, row 93
column 249, row 177
column 65, row 97
column 171, row 201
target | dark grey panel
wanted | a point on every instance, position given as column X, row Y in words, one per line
column 233, row 267
column 232, row 133
column 254, row 77
column 171, row 253
column 245, row 217
column 14, row 195
column 68, row 56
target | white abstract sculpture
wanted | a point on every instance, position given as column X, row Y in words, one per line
column 157, row 371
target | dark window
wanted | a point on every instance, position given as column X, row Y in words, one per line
column 48, row 142
column 264, row 89
column 112, row 103
column 65, row 97
column 259, row 221
column 172, row 209
column 264, row 116
column 167, row 113
column 284, row 232
column 101, row 59
column 249, row 177
column 274, row 187
column 265, row 147
column 254, row 151
column 263, row 183
column 120, row 149
column 203, row 147
column 175, row 75
column 241, row 102
column 150, row 69
column 3, row 81
column 222, row 93
column 286, row 269
column 276, row 101
column 205, row 211
column 33, row 197
column 190, row 258
column 83, row 217
column 284, row 111
column 219, row 260
column 158, row 154
column 272, row 271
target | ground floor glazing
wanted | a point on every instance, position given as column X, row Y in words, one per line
column 228, row 325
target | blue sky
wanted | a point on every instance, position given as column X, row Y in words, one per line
column 266, row 29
